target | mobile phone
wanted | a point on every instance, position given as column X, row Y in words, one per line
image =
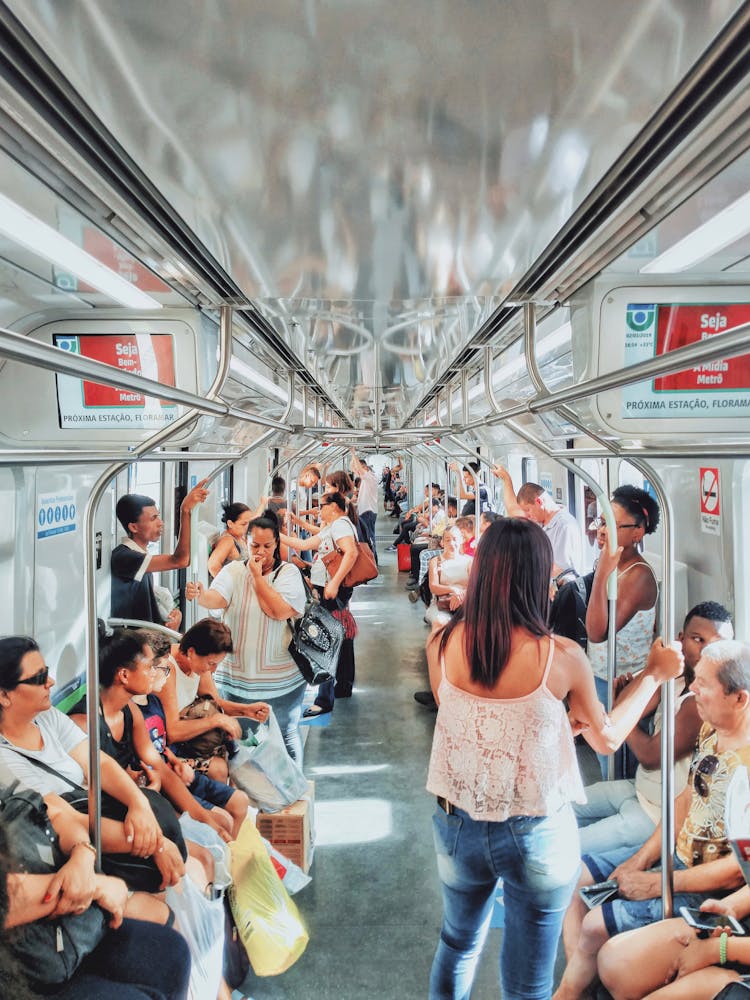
column 709, row 921
column 600, row 892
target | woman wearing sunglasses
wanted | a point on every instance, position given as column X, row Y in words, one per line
column 44, row 750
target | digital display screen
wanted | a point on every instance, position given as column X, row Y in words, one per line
column 84, row 404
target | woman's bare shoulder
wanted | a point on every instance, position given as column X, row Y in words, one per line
column 568, row 653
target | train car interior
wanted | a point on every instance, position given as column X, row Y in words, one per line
column 237, row 239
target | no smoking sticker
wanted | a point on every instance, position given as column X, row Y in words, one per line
column 710, row 501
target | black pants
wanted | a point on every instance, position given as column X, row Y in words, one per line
column 345, row 670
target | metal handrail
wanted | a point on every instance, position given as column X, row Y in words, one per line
column 89, row 545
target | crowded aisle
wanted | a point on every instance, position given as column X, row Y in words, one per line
column 373, row 908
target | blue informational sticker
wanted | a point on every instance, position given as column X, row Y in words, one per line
column 56, row 514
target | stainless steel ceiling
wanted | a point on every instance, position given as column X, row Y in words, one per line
column 375, row 175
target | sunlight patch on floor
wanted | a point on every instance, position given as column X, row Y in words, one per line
column 352, row 821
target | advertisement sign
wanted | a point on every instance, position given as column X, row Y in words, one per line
column 710, row 501
column 719, row 388
column 81, row 402
column 56, row 514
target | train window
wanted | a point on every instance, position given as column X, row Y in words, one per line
column 529, row 470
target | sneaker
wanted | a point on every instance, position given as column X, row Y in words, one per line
column 390, row 548
column 410, row 581
column 413, row 596
column 426, row 699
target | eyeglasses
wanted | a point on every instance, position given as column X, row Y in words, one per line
column 164, row 667
column 599, row 522
column 704, row 769
column 37, row 679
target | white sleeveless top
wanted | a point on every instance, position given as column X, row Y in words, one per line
column 502, row 757
column 648, row 782
column 186, row 685
column 633, row 640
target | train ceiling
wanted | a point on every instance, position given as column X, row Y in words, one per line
column 378, row 185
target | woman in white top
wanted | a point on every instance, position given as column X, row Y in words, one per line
column 337, row 532
column 258, row 600
column 503, row 763
column 636, row 514
column 449, row 575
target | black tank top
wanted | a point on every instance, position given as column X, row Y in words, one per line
column 122, row 750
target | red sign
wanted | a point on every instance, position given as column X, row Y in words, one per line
column 149, row 355
column 678, row 326
column 710, row 501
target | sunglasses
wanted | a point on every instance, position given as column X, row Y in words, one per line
column 37, row 679
column 599, row 522
column 705, row 768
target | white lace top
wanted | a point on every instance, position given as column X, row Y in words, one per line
column 502, row 757
column 633, row 640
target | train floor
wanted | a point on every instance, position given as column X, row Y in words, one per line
column 373, row 908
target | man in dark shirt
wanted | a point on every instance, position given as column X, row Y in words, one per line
column 132, row 564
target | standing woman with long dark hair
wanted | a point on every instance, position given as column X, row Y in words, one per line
column 503, row 765
column 337, row 532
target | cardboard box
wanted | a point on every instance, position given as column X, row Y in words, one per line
column 291, row 830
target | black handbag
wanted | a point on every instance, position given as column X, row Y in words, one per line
column 139, row 874
column 316, row 642
column 50, row 951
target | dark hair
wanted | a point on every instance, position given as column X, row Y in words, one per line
column 451, row 502
column 278, row 485
column 529, row 492
column 269, row 521
column 158, row 641
column 639, row 505
column 508, row 588
column 341, row 481
column 336, row 498
column 490, row 516
column 472, row 467
column 206, row 637
column 712, row 611
column 232, row 511
column 118, row 648
column 13, row 648
column 130, row 507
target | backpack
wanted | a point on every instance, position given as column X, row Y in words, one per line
column 50, row 951
column 567, row 615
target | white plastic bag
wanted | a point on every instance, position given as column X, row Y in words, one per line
column 201, row 923
column 264, row 770
column 203, row 834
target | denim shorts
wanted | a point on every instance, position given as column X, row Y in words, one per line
column 209, row 792
column 627, row 914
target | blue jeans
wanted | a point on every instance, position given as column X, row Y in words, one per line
column 627, row 914
column 288, row 711
column 368, row 518
column 537, row 857
column 612, row 817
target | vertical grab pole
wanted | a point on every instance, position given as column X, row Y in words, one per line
column 89, row 596
column 667, row 690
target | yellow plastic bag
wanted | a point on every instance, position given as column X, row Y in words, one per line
column 267, row 920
